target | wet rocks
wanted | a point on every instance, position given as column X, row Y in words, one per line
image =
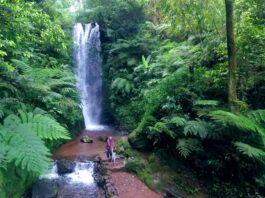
column 172, row 193
column 103, row 180
column 65, row 166
column 86, row 139
column 45, row 189
column 110, row 190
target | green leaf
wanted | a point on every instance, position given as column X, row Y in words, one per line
column 186, row 146
column 250, row 151
column 239, row 121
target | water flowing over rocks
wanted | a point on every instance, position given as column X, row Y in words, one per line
column 75, row 179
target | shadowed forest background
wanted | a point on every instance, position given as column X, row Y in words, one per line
column 165, row 72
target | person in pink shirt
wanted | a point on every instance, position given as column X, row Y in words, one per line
column 110, row 146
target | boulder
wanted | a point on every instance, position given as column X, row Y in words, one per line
column 65, row 166
column 44, row 188
column 86, row 139
column 103, row 138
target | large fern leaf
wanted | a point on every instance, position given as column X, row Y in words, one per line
column 197, row 128
column 28, row 151
column 186, row 146
column 44, row 126
column 8, row 87
column 121, row 85
column 250, row 151
column 161, row 127
column 257, row 116
column 178, row 121
column 239, row 121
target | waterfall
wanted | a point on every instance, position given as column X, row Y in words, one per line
column 88, row 71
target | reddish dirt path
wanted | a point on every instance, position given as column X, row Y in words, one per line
column 128, row 185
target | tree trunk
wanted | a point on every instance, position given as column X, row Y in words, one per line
column 232, row 63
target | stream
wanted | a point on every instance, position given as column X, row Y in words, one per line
column 71, row 179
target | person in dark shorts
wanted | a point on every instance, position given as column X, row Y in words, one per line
column 109, row 147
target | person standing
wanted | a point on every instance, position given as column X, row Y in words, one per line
column 110, row 146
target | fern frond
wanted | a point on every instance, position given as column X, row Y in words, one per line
column 257, row 116
column 178, row 121
column 66, row 103
column 28, row 151
column 206, row 103
column 239, row 121
column 197, row 128
column 8, row 87
column 68, row 90
column 250, row 151
column 186, row 146
column 3, row 151
column 44, row 126
column 55, row 83
column 24, row 67
column 122, row 85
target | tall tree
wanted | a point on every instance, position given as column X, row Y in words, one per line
column 232, row 63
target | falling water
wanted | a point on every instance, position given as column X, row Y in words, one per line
column 81, row 182
column 88, row 71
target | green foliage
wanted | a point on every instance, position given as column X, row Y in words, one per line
column 198, row 128
column 39, row 100
column 238, row 121
column 22, row 136
column 178, row 121
column 250, row 151
column 135, row 166
column 45, row 126
column 205, row 103
column 120, row 85
column 187, row 146
column 22, row 150
column 125, row 149
column 257, row 116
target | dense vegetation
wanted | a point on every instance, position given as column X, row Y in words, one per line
column 39, row 101
column 166, row 74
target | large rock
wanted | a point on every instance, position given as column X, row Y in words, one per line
column 86, row 139
column 45, row 189
column 65, row 166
